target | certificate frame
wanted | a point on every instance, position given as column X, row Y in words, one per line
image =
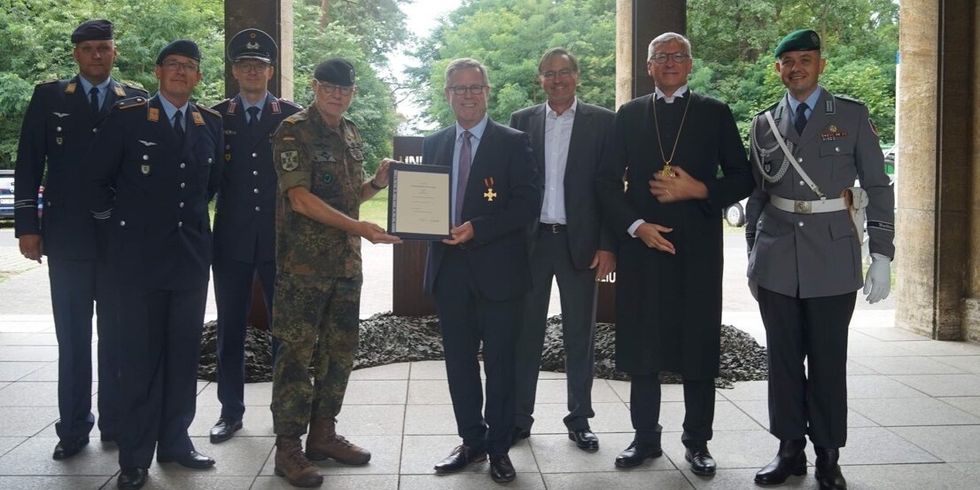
column 412, row 188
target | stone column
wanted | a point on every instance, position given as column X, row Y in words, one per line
column 637, row 23
column 935, row 151
column 971, row 305
column 275, row 18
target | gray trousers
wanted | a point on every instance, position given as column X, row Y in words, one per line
column 551, row 259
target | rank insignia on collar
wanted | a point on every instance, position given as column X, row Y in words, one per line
column 832, row 133
column 145, row 169
column 153, row 114
column 198, row 118
column 290, row 160
column 489, row 194
column 275, row 107
column 70, row 88
column 119, row 91
column 231, row 106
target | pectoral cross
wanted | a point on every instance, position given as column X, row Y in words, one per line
column 490, row 194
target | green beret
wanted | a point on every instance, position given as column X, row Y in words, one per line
column 801, row 40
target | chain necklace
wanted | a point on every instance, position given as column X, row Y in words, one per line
column 667, row 171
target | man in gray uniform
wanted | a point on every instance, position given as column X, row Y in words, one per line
column 804, row 233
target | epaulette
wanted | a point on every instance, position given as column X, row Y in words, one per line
column 133, row 85
column 767, row 109
column 290, row 103
column 208, row 110
column 48, row 82
column 130, row 103
column 295, row 118
column 848, row 99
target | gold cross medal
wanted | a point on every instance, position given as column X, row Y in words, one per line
column 489, row 194
column 667, row 171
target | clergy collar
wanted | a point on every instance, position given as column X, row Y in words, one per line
column 680, row 92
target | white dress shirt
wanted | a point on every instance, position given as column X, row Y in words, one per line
column 557, row 135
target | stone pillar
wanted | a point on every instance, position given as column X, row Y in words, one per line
column 971, row 305
column 935, row 152
column 637, row 23
column 274, row 17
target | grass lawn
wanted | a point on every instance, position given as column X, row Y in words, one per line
column 375, row 209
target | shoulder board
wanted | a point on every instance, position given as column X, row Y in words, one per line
column 767, row 109
column 848, row 99
column 290, row 103
column 48, row 82
column 208, row 110
column 131, row 102
column 295, row 118
column 132, row 86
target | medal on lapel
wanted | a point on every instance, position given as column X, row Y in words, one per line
column 145, row 169
column 489, row 194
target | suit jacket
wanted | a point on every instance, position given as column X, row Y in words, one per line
column 244, row 221
column 591, row 143
column 153, row 194
column 814, row 255
column 58, row 129
column 497, row 254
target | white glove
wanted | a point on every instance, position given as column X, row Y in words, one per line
column 878, row 281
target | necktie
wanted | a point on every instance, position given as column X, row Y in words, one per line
column 93, row 98
column 463, row 174
column 801, row 117
column 179, row 125
column 253, row 116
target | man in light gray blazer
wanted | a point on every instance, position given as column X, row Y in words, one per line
column 570, row 138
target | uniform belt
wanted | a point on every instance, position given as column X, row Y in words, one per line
column 552, row 227
column 808, row 207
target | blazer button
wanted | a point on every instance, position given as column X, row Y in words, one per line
column 182, row 185
column 254, row 155
column 800, row 159
column 181, row 204
column 146, row 157
column 182, row 164
column 180, row 224
column 256, row 191
column 95, row 130
column 256, row 208
column 58, row 129
column 802, row 183
column 801, row 224
column 255, row 172
column 122, row 222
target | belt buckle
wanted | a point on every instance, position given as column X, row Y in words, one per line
column 803, row 207
column 553, row 228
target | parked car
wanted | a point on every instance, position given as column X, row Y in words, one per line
column 6, row 194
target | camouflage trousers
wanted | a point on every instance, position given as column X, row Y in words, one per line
column 318, row 323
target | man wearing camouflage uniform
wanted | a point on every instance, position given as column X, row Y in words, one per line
column 319, row 161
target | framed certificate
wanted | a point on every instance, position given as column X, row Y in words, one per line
column 419, row 201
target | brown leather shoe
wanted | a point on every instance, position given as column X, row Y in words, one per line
column 323, row 442
column 293, row 465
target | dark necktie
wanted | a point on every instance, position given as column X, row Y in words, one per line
column 801, row 117
column 179, row 126
column 253, row 116
column 93, row 98
column 463, row 174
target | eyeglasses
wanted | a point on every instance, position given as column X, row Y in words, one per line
column 174, row 65
column 252, row 67
column 661, row 58
column 564, row 72
column 462, row 89
column 330, row 88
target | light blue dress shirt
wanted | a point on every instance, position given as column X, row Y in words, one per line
column 811, row 103
column 246, row 104
column 102, row 87
column 170, row 109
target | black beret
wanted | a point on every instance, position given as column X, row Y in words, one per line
column 337, row 71
column 182, row 47
column 252, row 44
column 801, row 40
column 92, row 30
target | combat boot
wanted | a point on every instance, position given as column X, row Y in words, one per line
column 293, row 465
column 323, row 442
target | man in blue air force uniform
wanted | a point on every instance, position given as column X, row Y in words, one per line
column 805, row 222
column 61, row 121
column 158, row 165
column 244, row 224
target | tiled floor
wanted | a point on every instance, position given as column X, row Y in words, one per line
column 914, row 423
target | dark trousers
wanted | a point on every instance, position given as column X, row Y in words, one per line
column 551, row 259
column 75, row 285
column 699, row 409
column 159, row 371
column 811, row 400
column 233, row 295
column 466, row 320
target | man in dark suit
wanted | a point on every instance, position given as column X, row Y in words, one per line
column 480, row 274
column 669, row 146
column 59, row 126
column 158, row 165
column 570, row 139
column 244, row 222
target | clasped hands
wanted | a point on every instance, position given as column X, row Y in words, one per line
column 666, row 189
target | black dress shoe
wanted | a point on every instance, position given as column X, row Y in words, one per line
column 459, row 458
column 701, row 461
column 827, row 471
column 192, row 459
column 67, row 449
column 131, row 478
column 637, row 453
column 518, row 435
column 501, row 469
column 790, row 460
column 584, row 439
column 223, row 429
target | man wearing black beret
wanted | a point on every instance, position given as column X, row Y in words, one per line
column 158, row 165
column 60, row 124
column 244, row 224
